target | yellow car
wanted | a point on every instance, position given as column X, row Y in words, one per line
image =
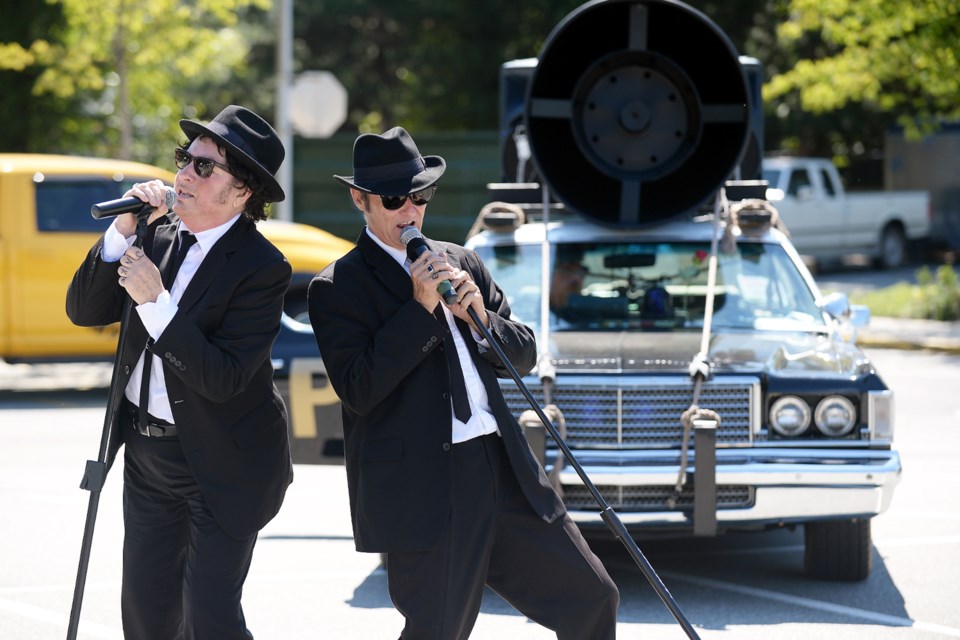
column 46, row 229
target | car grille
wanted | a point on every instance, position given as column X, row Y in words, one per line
column 631, row 412
column 652, row 498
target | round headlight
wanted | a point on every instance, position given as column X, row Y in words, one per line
column 835, row 416
column 790, row 416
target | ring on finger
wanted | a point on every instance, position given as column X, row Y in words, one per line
column 434, row 276
column 429, row 268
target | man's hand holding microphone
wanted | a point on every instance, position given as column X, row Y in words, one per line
column 434, row 279
column 137, row 273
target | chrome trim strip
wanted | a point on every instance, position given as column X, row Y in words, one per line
column 761, row 468
column 774, row 505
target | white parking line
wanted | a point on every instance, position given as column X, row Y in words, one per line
column 86, row 629
column 819, row 605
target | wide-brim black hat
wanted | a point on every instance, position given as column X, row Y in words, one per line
column 249, row 141
column 390, row 164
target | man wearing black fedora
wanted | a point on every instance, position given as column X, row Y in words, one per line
column 440, row 478
column 207, row 460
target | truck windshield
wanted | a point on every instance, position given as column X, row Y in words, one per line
column 655, row 286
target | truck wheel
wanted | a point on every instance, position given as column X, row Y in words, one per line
column 893, row 247
column 838, row 550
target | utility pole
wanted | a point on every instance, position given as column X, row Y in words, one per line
column 284, row 210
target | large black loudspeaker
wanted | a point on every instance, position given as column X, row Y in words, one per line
column 637, row 110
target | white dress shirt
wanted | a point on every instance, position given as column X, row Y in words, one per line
column 157, row 315
column 481, row 420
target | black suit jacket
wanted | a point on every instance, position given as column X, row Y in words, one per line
column 231, row 419
column 379, row 347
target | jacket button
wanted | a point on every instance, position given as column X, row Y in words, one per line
column 168, row 355
column 446, row 396
column 446, row 446
column 126, row 369
column 425, row 348
column 182, row 367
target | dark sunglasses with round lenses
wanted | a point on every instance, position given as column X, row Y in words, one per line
column 203, row 166
column 419, row 198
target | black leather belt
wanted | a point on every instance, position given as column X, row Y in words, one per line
column 155, row 427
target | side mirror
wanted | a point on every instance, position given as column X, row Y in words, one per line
column 859, row 315
column 838, row 305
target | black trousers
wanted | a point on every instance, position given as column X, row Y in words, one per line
column 182, row 574
column 546, row 570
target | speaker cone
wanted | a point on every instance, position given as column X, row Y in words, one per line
column 637, row 110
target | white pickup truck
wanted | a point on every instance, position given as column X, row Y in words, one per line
column 827, row 223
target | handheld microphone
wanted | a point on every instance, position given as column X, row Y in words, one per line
column 116, row 207
column 413, row 240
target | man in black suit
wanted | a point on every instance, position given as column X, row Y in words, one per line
column 440, row 478
column 207, row 460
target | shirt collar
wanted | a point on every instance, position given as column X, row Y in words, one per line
column 397, row 254
column 206, row 239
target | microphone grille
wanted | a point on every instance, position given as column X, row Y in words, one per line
column 170, row 197
column 409, row 234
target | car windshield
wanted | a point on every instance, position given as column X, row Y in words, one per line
column 655, row 286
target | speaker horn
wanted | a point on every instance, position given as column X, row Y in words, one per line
column 637, row 110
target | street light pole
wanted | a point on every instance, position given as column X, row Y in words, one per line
column 284, row 210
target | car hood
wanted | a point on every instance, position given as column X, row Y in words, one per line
column 730, row 352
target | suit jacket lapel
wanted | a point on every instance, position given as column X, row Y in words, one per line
column 213, row 262
column 394, row 277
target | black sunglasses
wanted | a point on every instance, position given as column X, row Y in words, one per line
column 419, row 198
column 203, row 166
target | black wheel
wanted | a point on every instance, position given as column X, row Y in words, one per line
column 838, row 550
column 893, row 247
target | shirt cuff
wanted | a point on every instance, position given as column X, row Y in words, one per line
column 157, row 315
column 114, row 244
column 479, row 338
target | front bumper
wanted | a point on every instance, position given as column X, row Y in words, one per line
column 787, row 486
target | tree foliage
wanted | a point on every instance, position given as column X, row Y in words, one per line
column 112, row 77
column 427, row 64
column 898, row 57
column 129, row 67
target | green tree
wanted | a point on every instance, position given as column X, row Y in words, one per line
column 27, row 117
column 129, row 66
column 431, row 65
column 895, row 57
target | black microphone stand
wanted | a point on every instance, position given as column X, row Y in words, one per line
column 606, row 512
column 95, row 473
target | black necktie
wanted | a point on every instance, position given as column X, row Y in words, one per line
column 458, row 388
column 185, row 241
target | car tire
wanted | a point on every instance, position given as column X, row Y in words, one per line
column 893, row 247
column 838, row 550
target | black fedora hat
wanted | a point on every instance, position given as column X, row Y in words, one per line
column 249, row 141
column 390, row 164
